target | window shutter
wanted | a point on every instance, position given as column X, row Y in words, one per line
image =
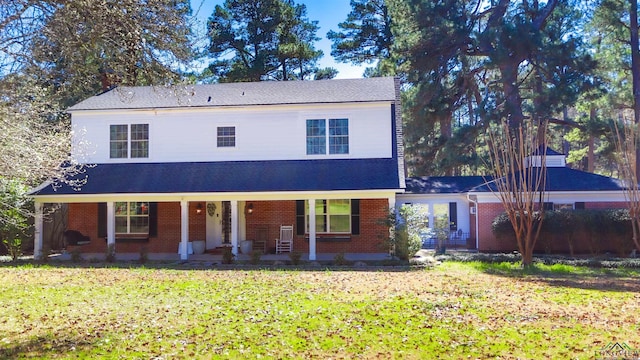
column 102, row 220
column 453, row 216
column 579, row 205
column 355, row 216
column 300, row 220
column 153, row 219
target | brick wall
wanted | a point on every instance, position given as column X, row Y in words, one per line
column 84, row 218
column 270, row 214
column 554, row 244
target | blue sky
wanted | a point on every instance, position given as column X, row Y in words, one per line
column 328, row 13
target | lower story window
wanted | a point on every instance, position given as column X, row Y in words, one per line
column 132, row 217
column 332, row 216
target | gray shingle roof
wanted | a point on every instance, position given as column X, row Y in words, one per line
column 239, row 94
column 235, row 176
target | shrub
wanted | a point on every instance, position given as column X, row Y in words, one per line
column 295, row 256
column 76, row 255
column 15, row 207
column 255, row 257
column 611, row 225
column 227, row 256
column 405, row 226
column 340, row 260
column 502, row 228
column 14, row 247
column 144, row 255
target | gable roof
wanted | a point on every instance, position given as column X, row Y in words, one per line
column 235, row 176
column 567, row 179
column 242, row 94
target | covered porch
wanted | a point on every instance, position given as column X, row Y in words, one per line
column 166, row 225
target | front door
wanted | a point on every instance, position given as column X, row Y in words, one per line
column 214, row 224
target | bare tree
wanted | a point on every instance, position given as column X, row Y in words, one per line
column 518, row 162
column 627, row 143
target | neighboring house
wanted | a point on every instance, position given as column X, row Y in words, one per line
column 471, row 205
column 229, row 162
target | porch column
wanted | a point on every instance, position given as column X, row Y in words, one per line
column 242, row 220
column 234, row 227
column 312, row 229
column 396, row 215
column 184, row 229
column 37, row 242
column 432, row 220
column 111, row 224
column 392, row 202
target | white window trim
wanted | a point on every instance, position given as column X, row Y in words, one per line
column 327, row 119
column 129, row 141
column 327, row 217
column 128, row 216
column 235, row 137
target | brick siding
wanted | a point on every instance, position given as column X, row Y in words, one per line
column 84, row 218
column 582, row 244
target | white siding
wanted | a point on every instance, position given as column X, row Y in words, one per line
column 262, row 133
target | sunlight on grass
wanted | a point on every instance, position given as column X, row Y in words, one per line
column 455, row 310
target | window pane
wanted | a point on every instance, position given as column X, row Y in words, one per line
column 226, row 136
column 139, row 149
column 118, row 132
column 140, row 140
column 139, row 208
column 121, row 224
column 321, row 207
column 140, row 132
column 340, row 223
column 321, row 223
column 118, row 150
column 121, row 208
column 118, row 141
column 340, row 207
column 139, row 225
column 338, row 136
column 316, row 138
column 338, row 127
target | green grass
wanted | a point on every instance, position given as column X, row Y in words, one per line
column 457, row 310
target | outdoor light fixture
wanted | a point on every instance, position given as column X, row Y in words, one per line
column 250, row 208
column 199, row 209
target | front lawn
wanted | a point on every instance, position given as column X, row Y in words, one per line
column 456, row 310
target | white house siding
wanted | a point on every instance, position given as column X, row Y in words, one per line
column 276, row 132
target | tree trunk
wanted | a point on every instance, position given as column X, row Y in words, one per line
column 512, row 99
column 635, row 70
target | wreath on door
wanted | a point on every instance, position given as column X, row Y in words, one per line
column 211, row 209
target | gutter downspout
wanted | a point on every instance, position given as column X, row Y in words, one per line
column 475, row 202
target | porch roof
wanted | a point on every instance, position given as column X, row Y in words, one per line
column 442, row 184
column 234, row 176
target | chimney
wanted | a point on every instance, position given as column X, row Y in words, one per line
column 106, row 79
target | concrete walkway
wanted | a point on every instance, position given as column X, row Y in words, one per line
column 326, row 257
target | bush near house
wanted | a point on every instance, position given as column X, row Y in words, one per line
column 578, row 231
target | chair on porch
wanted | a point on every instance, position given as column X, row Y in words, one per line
column 285, row 242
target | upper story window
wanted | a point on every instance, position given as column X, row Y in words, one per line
column 121, row 141
column 337, row 132
column 132, row 217
column 226, row 136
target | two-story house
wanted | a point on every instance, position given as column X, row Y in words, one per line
column 225, row 163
